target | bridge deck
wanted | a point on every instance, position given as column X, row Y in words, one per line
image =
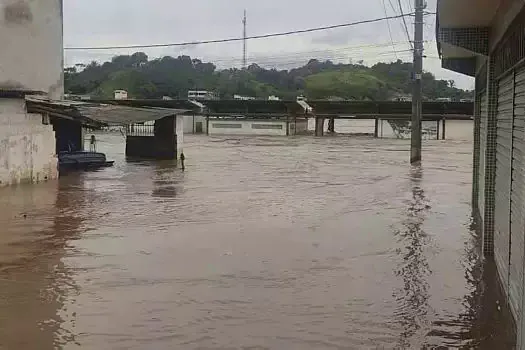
column 329, row 109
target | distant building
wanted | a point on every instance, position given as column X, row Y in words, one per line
column 201, row 95
column 121, row 95
column 166, row 98
column 402, row 98
column 335, row 98
column 243, row 98
column 301, row 98
column 255, row 126
column 74, row 97
column 273, row 98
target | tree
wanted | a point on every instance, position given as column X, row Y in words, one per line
column 174, row 76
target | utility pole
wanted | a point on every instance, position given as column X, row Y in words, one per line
column 244, row 58
column 415, row 139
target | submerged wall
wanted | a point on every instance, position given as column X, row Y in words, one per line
column 246, row 127
column 27, row 147
column 163, row 140
column 195, row 124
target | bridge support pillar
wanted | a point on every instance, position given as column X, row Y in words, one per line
column 444, row 130
column 331, row 125
column 376, row 128
column 319, row 126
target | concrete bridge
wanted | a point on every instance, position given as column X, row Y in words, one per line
column 321, row 110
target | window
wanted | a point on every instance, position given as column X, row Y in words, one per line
column 268, row 126
column 226, row 126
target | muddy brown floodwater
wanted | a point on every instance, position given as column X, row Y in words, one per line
column 263, row 243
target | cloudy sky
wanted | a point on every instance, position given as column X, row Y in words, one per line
column 97, row 23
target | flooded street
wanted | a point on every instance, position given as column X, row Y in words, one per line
column 262, row 243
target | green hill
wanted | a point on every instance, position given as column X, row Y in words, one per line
column 169, row 76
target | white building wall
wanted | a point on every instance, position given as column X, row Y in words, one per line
column 32, row 61
column 179, row 130
column 27, row 147
column 190, row 124
column 32, row 46
column 299, row 127
column 245, row 127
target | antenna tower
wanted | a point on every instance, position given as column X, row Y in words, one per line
column 244, row 52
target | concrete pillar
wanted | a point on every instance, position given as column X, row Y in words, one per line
column 437, row 129
column 319, row 126
column 331, row 125
column 490, row 160
column 376, row 128
column 179, row 135
column 444, row 130
column 476, row 156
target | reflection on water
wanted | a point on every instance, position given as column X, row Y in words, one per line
column 414, row 269
column 266, row 243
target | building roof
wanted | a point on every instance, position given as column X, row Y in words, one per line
column 253, row 107
column 98, row 114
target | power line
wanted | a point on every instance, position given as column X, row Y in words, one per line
column 263, row 36
column 405, row 23
column 389, row 29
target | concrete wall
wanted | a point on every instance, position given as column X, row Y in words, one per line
column 247, row 127
column 191, row 124
column 31, row 60
column 298, row 127
column 166, row 143
column 458, row 130
column 27, row 147
column 179, row 132
column 32, row 46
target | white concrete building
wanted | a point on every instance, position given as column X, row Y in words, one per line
column 269, row 127
column 30, row 63
column 243, row 98
column 121, row 95
column 201, row 95
column 195, row 124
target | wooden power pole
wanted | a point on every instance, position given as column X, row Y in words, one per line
column 417, row 94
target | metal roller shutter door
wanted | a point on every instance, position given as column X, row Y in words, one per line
column 517, row 209
column 482, row 146
column 505, row 111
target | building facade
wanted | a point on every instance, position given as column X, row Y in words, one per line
column 485, row 39
column 201, row 95
column 31, row 62
column 247, row 126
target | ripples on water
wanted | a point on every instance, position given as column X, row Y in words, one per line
column 263, row 243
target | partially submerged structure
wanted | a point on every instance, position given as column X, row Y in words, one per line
column 256, row 117
column 154, row 133
column 485, row 39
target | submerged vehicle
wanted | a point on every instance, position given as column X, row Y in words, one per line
column 82, row 160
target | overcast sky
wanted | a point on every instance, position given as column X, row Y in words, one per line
column 137, row 22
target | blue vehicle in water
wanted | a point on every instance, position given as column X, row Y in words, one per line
column 82, row 160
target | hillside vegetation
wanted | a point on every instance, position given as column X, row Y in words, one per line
column 170, row 76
